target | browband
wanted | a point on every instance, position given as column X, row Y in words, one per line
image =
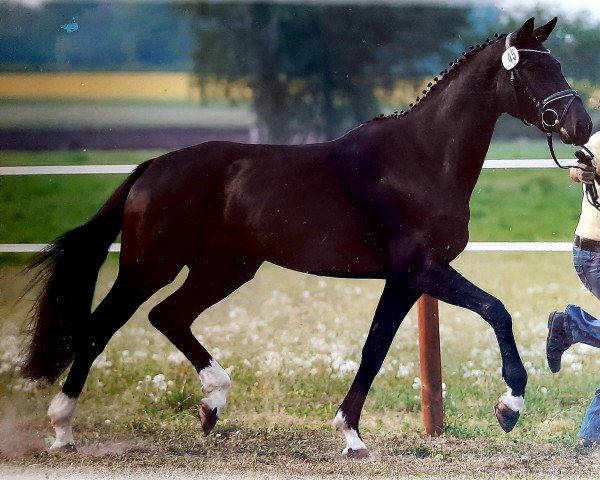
column 507, row 46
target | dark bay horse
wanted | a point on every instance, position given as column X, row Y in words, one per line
column 389, row 200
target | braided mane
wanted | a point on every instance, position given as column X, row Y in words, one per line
column 444, row 74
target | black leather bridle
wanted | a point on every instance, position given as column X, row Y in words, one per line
column 548, row 118
column 549, row 125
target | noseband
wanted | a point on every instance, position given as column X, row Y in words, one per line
column 548, row 118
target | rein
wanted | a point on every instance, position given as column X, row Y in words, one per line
column 587, row 158
column 548, row 127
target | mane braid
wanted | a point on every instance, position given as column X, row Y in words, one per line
column 436, row 81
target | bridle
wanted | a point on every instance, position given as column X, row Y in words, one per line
column 553, row 123
column 548, row 118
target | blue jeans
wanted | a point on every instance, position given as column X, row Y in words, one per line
column 586, row 329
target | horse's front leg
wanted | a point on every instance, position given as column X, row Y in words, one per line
column 441, row 281
column 394, row 304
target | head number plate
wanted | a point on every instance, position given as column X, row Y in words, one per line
column 510, row 58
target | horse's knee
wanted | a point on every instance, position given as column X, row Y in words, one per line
column 495, row 313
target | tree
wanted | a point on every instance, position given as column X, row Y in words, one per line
column 313, row 69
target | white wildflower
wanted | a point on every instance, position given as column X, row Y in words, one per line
column 102, row 362
column 273, row 360
column 404, row 370
column 176, row 358
column 159, row 381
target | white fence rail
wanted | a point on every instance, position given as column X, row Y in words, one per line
column 123, row 169
column 104, row 169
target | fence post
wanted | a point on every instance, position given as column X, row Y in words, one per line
column 432, row 406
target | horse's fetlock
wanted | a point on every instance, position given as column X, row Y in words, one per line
column 339, row 422
column 516, row 379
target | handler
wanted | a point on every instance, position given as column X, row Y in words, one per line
column 575, row 325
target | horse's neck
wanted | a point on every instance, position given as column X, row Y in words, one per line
column 457, row 123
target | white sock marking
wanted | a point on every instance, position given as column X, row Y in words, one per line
column 61, row 412
column 353, row 441
column 216, row 383
column 516, row 404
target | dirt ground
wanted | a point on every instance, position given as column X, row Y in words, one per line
column 300, row 455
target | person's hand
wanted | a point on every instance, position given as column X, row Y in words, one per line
column 585, row 173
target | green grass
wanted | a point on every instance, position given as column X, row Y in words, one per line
column 527, row 148
column 518, row 205
column 524, row 205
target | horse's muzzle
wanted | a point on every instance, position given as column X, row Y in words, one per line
column 577, row 130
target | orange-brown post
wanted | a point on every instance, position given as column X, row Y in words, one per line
column 432, row 406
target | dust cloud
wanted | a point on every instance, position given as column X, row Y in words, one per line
column 16, row 438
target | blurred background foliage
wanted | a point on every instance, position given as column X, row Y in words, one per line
column 310, row 72
column 314, row 69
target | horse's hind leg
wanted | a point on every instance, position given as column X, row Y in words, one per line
column 112, row 313
column 394, row 304
column 205, row 285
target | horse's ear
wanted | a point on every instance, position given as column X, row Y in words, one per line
column 526, row 30
column 542, row 33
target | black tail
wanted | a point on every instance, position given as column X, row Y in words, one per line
column 68, row 273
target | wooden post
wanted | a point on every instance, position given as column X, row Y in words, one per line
column 432, row 405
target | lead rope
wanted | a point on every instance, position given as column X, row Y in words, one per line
column 587, row 157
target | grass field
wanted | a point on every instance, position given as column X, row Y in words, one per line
column 291, row 343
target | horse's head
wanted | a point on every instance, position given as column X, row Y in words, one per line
column 535, row 88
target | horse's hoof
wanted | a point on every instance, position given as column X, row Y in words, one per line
column 66, row 448
column 208, row 417
column 356, row 454
column 506, row 417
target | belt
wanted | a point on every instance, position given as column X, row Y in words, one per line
column 587, row 244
